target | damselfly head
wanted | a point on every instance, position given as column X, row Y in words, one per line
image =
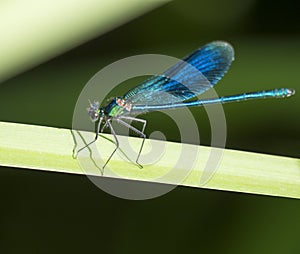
column 94, row 111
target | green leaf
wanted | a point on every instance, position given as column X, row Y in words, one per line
column 51, row 149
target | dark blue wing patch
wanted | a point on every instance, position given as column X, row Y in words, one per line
column 182, row 81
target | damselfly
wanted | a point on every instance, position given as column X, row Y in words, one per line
column 173, row 89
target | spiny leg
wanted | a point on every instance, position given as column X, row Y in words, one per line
column 138, row 132
column 135, row 119
column 96, row 137
column 103, row 127
column 116, row 139
column 143, row 129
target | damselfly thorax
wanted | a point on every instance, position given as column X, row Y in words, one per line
column 117, row 107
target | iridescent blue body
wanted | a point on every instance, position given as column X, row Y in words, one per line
column 113, row 109
column 275, row 93
column 181, row 83
column 175, row 88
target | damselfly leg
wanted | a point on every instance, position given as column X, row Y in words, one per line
column 116, row 139
column 141, row 133
column 96, row 137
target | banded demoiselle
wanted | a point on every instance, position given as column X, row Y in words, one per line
column 174, row 89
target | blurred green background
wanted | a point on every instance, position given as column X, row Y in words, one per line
column 51, row 212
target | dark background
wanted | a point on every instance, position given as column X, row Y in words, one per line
column 52, row 212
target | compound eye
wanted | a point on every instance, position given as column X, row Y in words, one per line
column 94, row 117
